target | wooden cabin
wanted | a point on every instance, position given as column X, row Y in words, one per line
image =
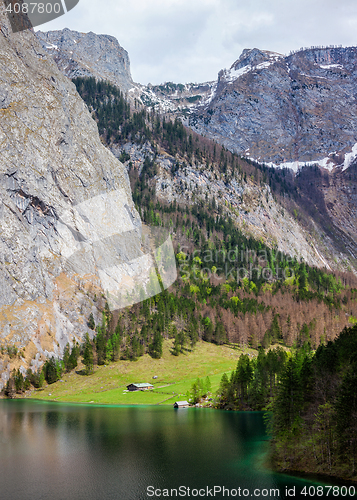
column 181, row 404
column 139, row 387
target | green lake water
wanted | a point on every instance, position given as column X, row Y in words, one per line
column 55, row 451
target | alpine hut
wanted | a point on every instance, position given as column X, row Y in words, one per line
column 139, row 387
column 181, row 404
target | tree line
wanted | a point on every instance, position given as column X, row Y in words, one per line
column 311, row 398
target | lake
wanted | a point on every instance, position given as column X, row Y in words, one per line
column 63, row 451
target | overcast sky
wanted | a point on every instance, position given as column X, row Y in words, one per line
column 191, row 40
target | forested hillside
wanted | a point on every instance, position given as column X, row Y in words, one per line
column 312, row 197
column 231, row 287
column 312, row 398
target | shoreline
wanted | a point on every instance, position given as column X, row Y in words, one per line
column 318, row 476
column 310, row 475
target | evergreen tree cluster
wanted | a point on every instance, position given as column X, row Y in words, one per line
column 311, row 398
column 314, row 414
column 225, row 250
column 253, row 385
column 51, row 372
column 119, row 122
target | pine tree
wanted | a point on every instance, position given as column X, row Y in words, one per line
column 346, row 417
column 66, row 358
column 100, row 344
column 91, row 322
column 53, row 370
column 223, row 390
column 288, row 404
column 116, row 343
column 155, row 348
column 109, row 355
column 73, row 358
column 88, row 355
column 10, row 390
column 19, row 381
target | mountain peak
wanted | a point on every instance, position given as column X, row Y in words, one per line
column 253, row 57
column 88, row 54
column 284, row 109
column 250, row 59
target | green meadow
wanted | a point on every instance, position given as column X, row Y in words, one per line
column 175, row 376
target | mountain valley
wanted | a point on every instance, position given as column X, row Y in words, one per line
column 214, row 197
column 179, row 246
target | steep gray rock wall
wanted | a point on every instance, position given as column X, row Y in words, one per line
column 281, row 109
column 101, row 56
column 267, row 106
column 65, row 201
column 254, row 208
column 88, row 54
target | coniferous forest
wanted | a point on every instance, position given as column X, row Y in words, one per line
column 312, row 401
column 292, row 313
column 310, row 389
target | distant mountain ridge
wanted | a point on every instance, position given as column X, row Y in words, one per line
column 282, row 110
column 87, row 54
column 275, row 108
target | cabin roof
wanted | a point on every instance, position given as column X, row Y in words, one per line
column 181, row 403
column 143, row 384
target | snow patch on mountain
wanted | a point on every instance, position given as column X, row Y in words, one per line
column 245, row 65
column 349, row 158
column 177, row 98
column 329, row 162
column 150, row 99
column 295, row 166
column 209, row 97
column 329, row 66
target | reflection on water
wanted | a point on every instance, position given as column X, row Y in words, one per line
column 55, row 451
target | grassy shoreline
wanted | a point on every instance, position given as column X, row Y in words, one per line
column 175, row 376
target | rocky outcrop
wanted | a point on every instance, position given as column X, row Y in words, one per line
column 68, row 227
column 177, row 99
column 282, row 109
column 255, row 210
column 102, row 57
column 87, row 54
column 270, row 107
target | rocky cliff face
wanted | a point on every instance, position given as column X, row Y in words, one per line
column 291, row 111
column 68, row 227
column 256, row 211
column 270, row 107
column 87, row 54
column 283, row 109
column 101, row 56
